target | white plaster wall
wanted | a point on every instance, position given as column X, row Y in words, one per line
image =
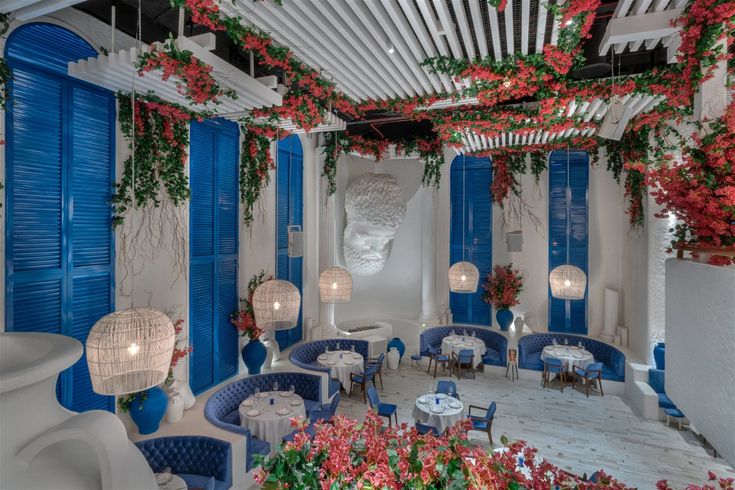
column 700, row 341
column 396, row 290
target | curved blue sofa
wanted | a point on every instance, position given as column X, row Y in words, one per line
column 530, row 347
column 198, row 460
column 496, row 344
column 304, row 355
column 222, row 407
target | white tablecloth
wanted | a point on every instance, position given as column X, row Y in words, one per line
column 175, row 483
column 268, row 424
column 570, row 356
column 448, row 417
column 341, row 364
column 456, row 343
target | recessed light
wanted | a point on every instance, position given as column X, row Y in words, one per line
column 391, row 49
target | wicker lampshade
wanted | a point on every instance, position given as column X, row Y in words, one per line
column 335, row 285
column 567, row 282
column 463, row 277
column 276, row 305
column 130, row 351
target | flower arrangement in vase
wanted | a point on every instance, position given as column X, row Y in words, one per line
column 254, row 352
column 502, row 288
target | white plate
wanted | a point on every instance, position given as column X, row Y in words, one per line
column 423, row 400
column 454, row 405
column 295, row 402
column 357, row 356
column 262, row 394
column 435, row 409
column 350, row 363
column 283, row 411
column 332, row 363
column 249, row 402
column 284, row 394
column 252, row 413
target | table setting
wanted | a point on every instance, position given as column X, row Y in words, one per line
column 168, row 481
column 268, row 414
column 341, row 364
column 438, row 410
column 456, row 343
column 569, row 355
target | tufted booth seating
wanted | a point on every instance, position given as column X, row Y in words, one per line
column 656, row 379
column 304, row 355
column 222, row 407
column 202, row 462
column 496, row 344
column 530, row 347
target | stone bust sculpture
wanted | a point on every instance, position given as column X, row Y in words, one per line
column 375, row 209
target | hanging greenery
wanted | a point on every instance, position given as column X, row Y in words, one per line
column 255, row 165
column 161, row 146
column 195, row 80
column 5, row 73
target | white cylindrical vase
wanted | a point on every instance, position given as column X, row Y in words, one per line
column 393, row 358
column 175, row 407
column 184, row 391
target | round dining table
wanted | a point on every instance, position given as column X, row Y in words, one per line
column 169, row 481
column 569, row 355
column 456, row 343
column 438, row 410
column 341, row 364
column 268, row 415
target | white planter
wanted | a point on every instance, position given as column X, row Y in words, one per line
column 175, row 407
column 40, row 437
column 393, row 357
column 184, row 390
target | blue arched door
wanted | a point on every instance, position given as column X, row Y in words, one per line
column 289, row 211
column 471, row 229
column 59, row 261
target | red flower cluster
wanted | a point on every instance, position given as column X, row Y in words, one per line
column 179, row 352
column 502, row 287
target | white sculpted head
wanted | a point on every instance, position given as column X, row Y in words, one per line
column 375, row 209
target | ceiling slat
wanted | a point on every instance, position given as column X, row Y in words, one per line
column 448, row 26
column 479, row 27
column 509, row 32
column 464, row 28
column 525, row 24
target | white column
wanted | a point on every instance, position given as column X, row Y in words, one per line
column 710, row 100
column 327, row 255
column 428, row 257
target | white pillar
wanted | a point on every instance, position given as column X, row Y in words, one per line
column 428, row 257
column 327, row 256
column 710, row 100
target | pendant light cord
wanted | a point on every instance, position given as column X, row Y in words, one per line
column 132, row 156
column 464, row 201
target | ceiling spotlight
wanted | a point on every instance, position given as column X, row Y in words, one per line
column 391, row 49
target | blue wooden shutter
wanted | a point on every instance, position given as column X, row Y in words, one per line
column 477, row 232
column 289, row 211
column 214, row 244
column 60, row 155
column 568, row 233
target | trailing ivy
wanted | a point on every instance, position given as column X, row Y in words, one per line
column 161, row 146
column 5, row 73
column 255, row 165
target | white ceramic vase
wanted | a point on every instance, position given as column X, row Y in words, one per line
column 175, row 408
column 393, row 357
column 184, row 391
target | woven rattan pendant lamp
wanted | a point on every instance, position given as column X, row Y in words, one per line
column 463, row 276
column 335, row 286
column 130, row 351
column 276, row 304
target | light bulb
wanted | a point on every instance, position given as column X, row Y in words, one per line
column 334, row 285
column 463, row 278
column 276, row 305
column 391, row 49
column 567, row 282
column 133, row 349
column 569, row 22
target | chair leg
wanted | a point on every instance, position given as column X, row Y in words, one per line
column 435, row 364
column 395, row 414
column 364, row 392
column 429, row 368
column 561, row 382
column 490, row 434
column 599, row 383
column 380, row 375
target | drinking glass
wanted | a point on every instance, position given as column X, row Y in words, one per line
column 580, row 344
column 257, row 392
column 338, row 346
column 566, row 341
column 352, row 348
column 292, row 389
column 275, row 386
column 326, row 350
column 553, row 341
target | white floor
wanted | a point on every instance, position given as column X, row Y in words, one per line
column 578, row 434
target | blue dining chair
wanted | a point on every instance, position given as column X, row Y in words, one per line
column 484, row 423
column 465, row 359
column 448, row 388
column 424, row 429
column 325, row 413
column 556, row 367
column 384, row 409
column 377, row 362
column 363, row 379
column 435, row 355
column 590, row 374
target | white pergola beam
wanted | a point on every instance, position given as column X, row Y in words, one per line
column 623, row 30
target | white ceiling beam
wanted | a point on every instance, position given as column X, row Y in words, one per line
column 555, row 25
column 639, row 28
column 594, row 106
column 417, row 46
column 525, row 24
column 479, row 26
column 414, row 19
column 331, row 36
column 658, row 5
column 509, row 33
column 429, row 81
column 464, row 28
column 541, row 27
column 398, row 71
column 641, row 7
column 449, row 28
column 28, row 10
column 492, row 14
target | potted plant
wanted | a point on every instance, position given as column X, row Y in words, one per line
column 502, row 288
column 254, row 352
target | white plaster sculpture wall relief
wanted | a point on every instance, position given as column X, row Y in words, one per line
column 375, row 208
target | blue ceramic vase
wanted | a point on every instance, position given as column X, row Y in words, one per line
column 659, row 355
column 253, row 355
column 504, row 317
column 399, row 345
column 147, row 411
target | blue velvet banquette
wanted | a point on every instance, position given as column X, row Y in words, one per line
column 530, row 347
column 497, row 344
column 222, row 407
column 304, row 355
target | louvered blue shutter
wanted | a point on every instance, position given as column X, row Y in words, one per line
column 213, row 213
column 289, row 210
column 60, row 161
column 476, row 233
column 568, row 233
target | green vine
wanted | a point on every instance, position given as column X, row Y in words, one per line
column 124, row 402
column 6, row 73
column 161, row 145
column 255, row 165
